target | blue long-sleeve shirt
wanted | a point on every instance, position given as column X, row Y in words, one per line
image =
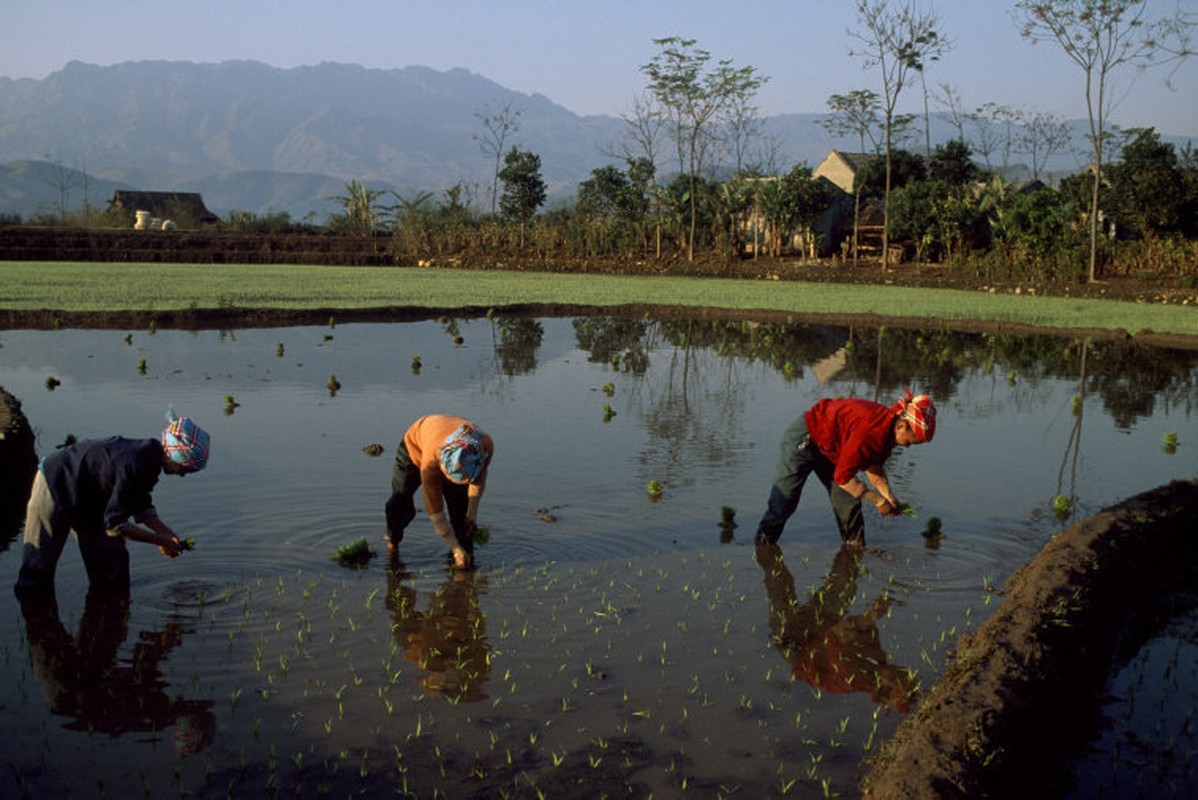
column 100, row 483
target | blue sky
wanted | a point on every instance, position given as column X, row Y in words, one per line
column 586, row 54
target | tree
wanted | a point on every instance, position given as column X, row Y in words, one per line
column 898, row 39
column 361, row 208
column 1101, row 37
column 523, row 187
column 949, row 99
column 1147, row 187
column 694, row 100
column 497, row 127
column 855, row 114
column 951, row 162
column 642, row 145
column 994, row 131
column 1042, row 134
column 804, row 198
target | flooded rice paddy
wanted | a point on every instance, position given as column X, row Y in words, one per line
column 612, row 642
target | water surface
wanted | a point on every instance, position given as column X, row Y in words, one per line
column 608, row 640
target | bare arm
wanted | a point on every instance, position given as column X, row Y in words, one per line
column 881, row 495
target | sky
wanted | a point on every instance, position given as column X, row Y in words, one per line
column 586, row 54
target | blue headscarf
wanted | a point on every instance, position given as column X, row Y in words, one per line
column 185, row 442
column 463, row 456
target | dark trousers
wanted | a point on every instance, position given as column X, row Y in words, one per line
column 401, row 506
column 798, row 459
column 47, row 528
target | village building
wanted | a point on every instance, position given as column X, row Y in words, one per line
column 154, row 210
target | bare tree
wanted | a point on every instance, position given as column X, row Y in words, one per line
column 743, row 128
column 497, row 127
column 643, row 122
column 949, row 100
column 1101, row 37
column 994, row 132
column 897, row 39
column 63, row 179
column 1040, row 136
column 855, row 114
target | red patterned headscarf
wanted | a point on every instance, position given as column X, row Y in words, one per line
column 920, row 414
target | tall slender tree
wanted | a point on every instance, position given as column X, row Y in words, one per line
column 1101, row 37
column 498, row 126
column 898, row 39
column 855, row 114
column 694, row 99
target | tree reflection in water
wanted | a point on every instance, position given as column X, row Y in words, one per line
column 85, row 679
column 825, row 646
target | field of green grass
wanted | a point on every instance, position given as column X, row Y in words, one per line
column 78, row 287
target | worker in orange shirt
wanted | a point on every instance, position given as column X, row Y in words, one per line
column 446, row 457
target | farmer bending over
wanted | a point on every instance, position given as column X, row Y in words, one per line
column 836, row 439
column 93, row 487
column 447, row 457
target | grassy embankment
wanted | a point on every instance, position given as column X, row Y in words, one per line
column 79, row 287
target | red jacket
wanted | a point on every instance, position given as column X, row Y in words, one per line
column 853, row 434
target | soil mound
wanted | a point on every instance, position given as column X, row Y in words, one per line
column 1024, row 692
column 18, row 460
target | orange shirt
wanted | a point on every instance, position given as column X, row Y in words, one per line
column 423, row 441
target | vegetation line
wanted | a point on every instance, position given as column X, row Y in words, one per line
column 109, row 287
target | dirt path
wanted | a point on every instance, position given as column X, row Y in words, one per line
column 1023, row 693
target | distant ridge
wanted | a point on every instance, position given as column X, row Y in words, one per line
column 252, row 137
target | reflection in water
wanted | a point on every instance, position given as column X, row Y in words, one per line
column 448, row 642
column 86, row 681
column 826, row 648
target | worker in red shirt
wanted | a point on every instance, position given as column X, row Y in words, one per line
column 446, row 458
column 837, row 439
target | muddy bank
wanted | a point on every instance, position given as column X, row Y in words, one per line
column 1023, row 694
column 17, row 459
column 227, row 319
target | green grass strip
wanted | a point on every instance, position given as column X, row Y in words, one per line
column 74, row 287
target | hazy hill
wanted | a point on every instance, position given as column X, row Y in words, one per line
column 257, row 138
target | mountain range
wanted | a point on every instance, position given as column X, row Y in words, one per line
column 252, row 137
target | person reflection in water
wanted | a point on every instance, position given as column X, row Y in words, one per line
column 827, row 647
column 86, row 680
column 448, row 642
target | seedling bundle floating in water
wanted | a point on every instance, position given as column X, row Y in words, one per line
column 356, row 554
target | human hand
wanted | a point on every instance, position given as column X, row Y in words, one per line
column 170, row 546
column 886, row 508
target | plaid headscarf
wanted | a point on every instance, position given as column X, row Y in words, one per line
column 920, row 414
column 185, row 442
column 462, row 455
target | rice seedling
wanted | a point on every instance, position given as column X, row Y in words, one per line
column 141, row 366
column 333, row 385
column 416, row 365
column 357, row 554
column 188, row 543
column 608, row 412
column 280, row 350
column 1062, row 506
column 654, row 488
column 1170, row 442
column 52, row 383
